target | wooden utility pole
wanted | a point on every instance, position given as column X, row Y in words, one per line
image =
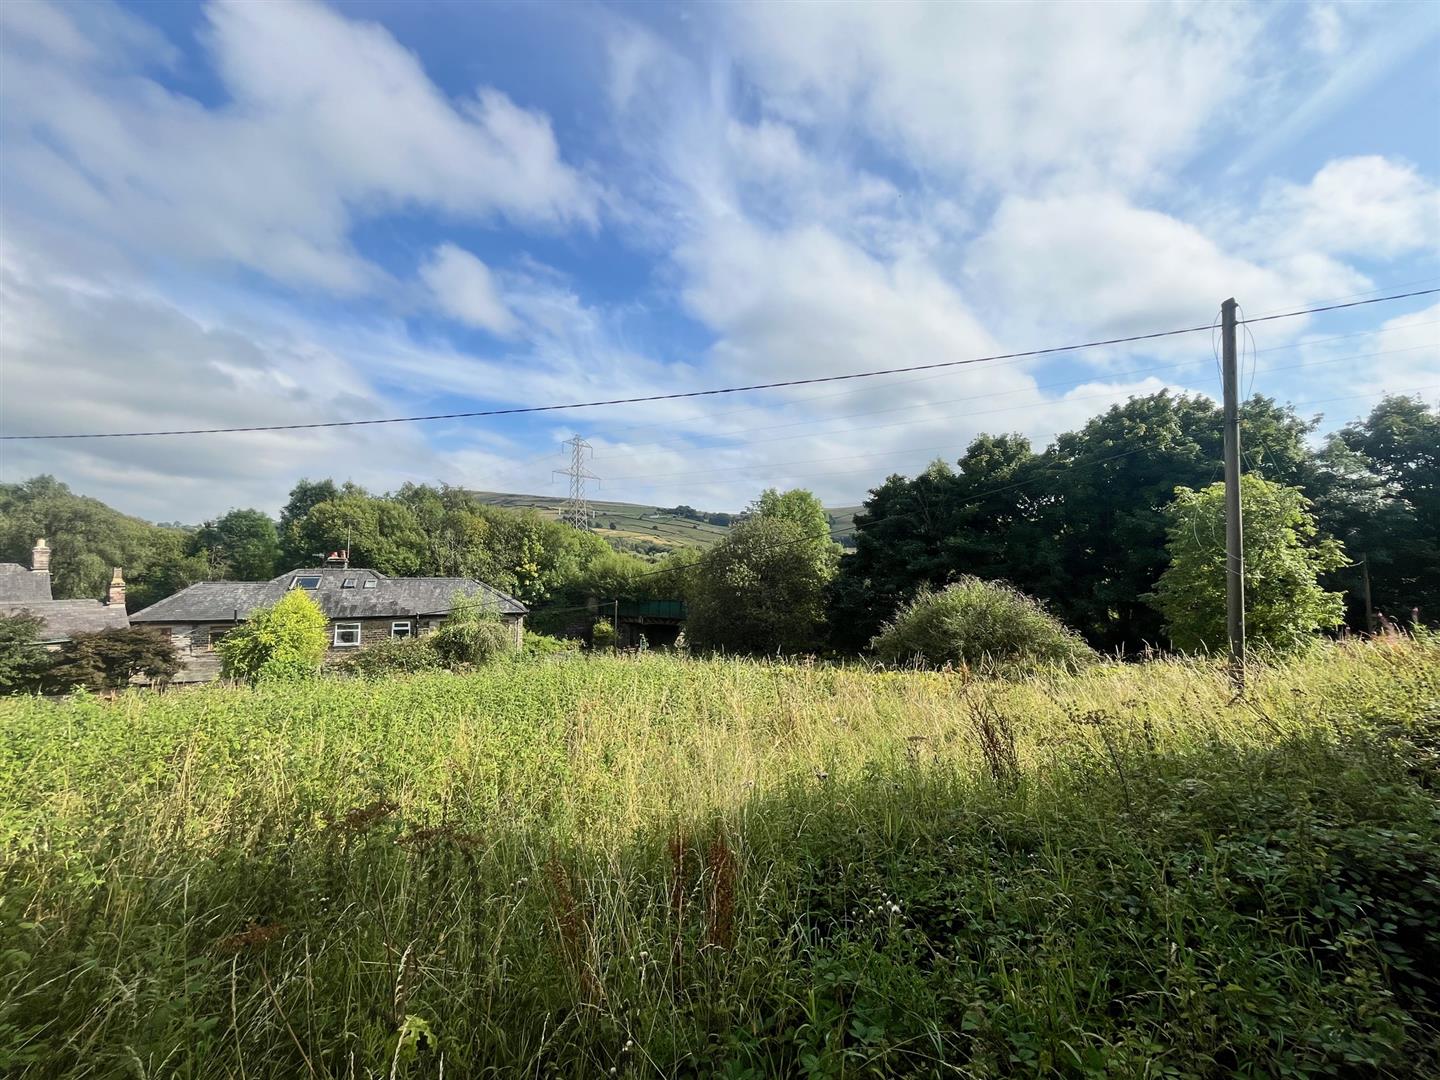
column 1234, row 544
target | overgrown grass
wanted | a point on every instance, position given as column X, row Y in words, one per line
column 662, row 867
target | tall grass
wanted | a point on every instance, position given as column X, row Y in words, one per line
column 662, row 867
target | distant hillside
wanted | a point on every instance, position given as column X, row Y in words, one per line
column 647, row 527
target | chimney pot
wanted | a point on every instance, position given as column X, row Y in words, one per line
column 40, row 557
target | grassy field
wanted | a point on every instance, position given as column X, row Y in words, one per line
column 655, row 867
column 644, row 524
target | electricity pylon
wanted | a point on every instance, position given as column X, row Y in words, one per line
column 577, row 508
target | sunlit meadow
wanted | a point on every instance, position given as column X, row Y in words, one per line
column 654, row 867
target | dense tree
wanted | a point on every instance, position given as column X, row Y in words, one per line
column 242, row 545
column 88, row 540
column 23, row 660
column 304, row 496
column 762, row 588
column 109, row 659
column 1081, row 526
column 1285, row 603
column 928, row 531
column 380, row 533
column 1378, row 490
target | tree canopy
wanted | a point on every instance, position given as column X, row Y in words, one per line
column 1083, row 525
column 1284, row 602
column 762, row 588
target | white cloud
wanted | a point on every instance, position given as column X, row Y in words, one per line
column 1370, row 206
column 1005, row 93
column 1099, row 262
column 464, row 289
column 328, row 121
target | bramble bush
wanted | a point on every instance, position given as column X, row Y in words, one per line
column 545, row 645
column 394, row 656
column 473, row 633
column 981, row 624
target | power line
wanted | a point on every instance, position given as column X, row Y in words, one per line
column 950, row 447
column 1337, row 307
column 968, row 415
column 518, row 410
column 693, row 418
column 1073, row 383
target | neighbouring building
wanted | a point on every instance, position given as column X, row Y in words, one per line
column 658, row 622
column 28, row 591
column 363, row 606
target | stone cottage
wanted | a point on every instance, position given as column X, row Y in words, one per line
column 28, row 591
column 363, row 606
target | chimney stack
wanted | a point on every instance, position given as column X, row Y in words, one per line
column 40, row 557
column 116, row 593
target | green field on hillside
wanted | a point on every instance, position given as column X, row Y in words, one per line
column 651, row 866
column 641, row 524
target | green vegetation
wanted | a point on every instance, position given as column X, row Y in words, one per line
column 762, row 589
column 94, row 661
column 1083, row 524
column 1284, row 602
column 667, row 867
column 88, row 540
column 284, row 641
column 986, row 625
column 393, row 656
column 108, row 659
column 653, row 530
column 242, row 545
column 471, row 634
column 23, row 661
column 602, row 635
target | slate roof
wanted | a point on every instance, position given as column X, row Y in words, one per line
column 21, row 583
column 23, row 589
column 403, row 597
column 64, row 618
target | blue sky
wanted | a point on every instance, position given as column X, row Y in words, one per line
column 239, row 213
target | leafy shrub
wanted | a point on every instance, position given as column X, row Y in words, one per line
column 545, row 645
column 109, row 659
column 602, row 635
column 472, row 633
column 23, row 660
column 396, row 656
column 282, row 642
column 983, row 624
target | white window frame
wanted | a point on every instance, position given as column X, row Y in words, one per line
column 346, row 627
column 368, row 583
column 348, row 583
column 406, row 625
